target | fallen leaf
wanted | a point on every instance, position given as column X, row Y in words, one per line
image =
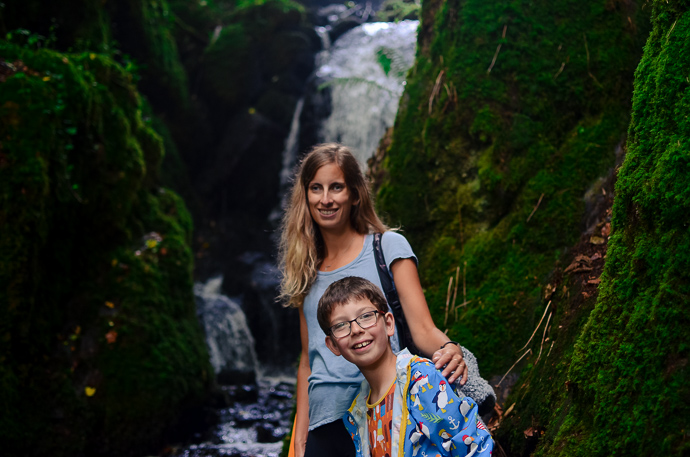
column 577, row 268
column 114, row 262
column 606, row 229
column 77, row 330
column 572, row 266
column 110, row 304
column 594, row 281
column 509, row 410
column 89, row 391
column 163, row 251
column 529, row 432
column 111, row 336
column 585, row 294
column 597, row 240
column 582, row 259
column 595, row 256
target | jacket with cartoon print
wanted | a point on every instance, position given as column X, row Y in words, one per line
column 429, row 419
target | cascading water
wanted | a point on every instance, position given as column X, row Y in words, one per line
column 229, row 340
column 365, row 72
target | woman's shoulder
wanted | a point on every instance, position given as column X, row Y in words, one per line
column 394, row 237
column 395, row 243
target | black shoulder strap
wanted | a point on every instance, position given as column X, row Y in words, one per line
column 404, row 335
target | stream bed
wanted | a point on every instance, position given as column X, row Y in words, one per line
column 254, row 424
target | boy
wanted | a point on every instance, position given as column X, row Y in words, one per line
column 404, row 401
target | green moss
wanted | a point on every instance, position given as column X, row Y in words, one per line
column 78, row 184
column 260, row 42
column 530, row 136
column 510, row 161
column 630, row 362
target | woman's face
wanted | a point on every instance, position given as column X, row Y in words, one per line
column 330, row 200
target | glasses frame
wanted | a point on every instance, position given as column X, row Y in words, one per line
column 356, row 319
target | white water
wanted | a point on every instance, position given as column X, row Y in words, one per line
column 290, row 151
column 365, row 98
column 229, row 340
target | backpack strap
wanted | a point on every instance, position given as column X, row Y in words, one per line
column 389, row 290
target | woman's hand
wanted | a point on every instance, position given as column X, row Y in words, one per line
column 450, row 359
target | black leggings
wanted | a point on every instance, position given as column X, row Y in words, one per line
column 330, row 440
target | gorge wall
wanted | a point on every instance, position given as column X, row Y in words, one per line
column 501, row 170
column 104, row 108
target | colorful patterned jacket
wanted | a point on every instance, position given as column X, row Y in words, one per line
column 429, row 419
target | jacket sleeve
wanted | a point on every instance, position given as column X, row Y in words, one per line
column 449, row 422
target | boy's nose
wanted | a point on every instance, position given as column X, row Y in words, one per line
column 355, row 327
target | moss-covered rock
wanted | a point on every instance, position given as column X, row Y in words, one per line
column 516, row 142
column 101, row 351
column 511, row 112
column 259, row 53
column 618, row 382
column 629, row 372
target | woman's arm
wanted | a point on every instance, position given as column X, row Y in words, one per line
column 303, row 372
column 426, row 336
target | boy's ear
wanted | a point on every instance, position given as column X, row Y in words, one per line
column 330, row 344
column 390, row 323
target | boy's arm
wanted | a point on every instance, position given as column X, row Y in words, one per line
column 451, row 422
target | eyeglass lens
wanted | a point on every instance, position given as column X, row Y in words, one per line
column 365, row 320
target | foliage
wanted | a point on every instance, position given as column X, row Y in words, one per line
column 398, row 10
column 101, row 350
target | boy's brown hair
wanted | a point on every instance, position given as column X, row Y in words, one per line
column 343, row 292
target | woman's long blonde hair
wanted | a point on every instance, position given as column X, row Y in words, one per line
column 301, row 245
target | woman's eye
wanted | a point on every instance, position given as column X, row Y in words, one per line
column 338, row 186
column 314, row 188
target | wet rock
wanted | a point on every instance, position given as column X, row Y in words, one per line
column 267, row 433
column 246, row 393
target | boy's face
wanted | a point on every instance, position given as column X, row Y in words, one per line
column 362, row 347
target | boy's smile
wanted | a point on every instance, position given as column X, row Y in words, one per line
column 363, row 347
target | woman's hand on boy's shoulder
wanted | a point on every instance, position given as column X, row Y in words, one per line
column 450, row 360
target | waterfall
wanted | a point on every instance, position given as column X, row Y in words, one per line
column 365, row 71
column 290, row 151
column 229, row 340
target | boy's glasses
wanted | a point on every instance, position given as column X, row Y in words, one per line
column 366, row 320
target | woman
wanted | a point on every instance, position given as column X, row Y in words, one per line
column 327, row 234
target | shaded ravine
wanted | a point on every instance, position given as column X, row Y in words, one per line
column 255, row 398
